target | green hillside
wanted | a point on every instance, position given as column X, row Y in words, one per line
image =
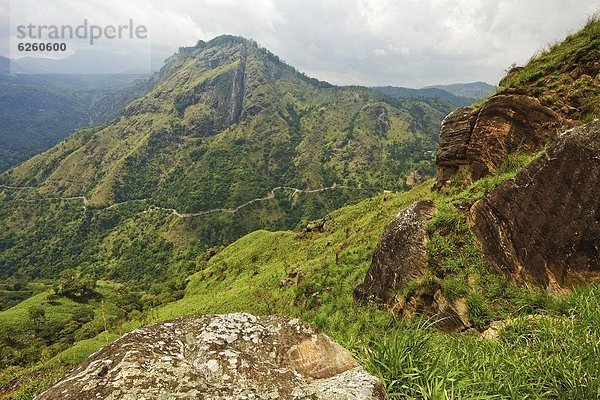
column 38, row 111
column 562, row 75
column 239, row 184
column 311, row 274
column 226, row 123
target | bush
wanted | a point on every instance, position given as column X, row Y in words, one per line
column 72, row 285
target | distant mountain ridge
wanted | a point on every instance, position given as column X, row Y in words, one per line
column 459, row 94
column 473, row 90
column 426, row 93
column 37, row 111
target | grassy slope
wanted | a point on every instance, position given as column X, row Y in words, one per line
column 412, row 359
column 560, row 74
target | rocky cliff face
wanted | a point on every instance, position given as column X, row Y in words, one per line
column 543, row 226
column 557, row 88
column 478, row 141
column 233, row 356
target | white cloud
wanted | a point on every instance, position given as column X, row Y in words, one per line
column 401, row 42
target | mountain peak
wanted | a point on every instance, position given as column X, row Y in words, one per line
column 220, row 40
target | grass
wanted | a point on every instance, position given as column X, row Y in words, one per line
column 411, row 358
column 555, row 357
column 547, row 75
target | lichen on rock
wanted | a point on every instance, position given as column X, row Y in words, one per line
column 231, row 356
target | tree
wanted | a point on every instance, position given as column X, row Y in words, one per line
column 37, row 314
column 71, row 284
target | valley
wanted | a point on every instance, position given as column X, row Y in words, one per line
column 384, row 239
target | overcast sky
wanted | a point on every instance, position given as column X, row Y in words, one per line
column 369, row 42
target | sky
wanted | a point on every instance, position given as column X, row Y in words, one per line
column 410, row 43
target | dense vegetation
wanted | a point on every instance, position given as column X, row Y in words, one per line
column 100, row 271
column 37, row 111
column 225, row 123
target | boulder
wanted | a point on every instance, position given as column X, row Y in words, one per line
column 400, row 256
column 507, row 123
column 543, row 226
column 455, row 135
column 479, row 141
column 429, row 301
column 232, row 356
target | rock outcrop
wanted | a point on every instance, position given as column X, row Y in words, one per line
column 543, row 226
column 232, row 356
column 478, row 141
column 401, row 257
column 455, row 135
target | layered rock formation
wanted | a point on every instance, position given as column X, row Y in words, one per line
column 543, row 226
column 478, row 141
column 233, row 356
column 455, row 135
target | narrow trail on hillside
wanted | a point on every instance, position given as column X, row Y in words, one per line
column 269, row 196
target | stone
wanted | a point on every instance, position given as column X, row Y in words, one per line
column 543, row 226
column 455, row 135
column 494, row 329
column 400, row 256
column 231, row 356
column 507, row 123
column 479, row 141
column 429, row 301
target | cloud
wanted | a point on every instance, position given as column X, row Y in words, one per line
column 398, row 42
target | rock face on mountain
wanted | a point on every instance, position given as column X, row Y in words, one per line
column 482, row 139
column 232, row 356
column 543, row 226
column 455, row 135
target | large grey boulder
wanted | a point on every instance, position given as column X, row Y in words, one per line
column 231, row 356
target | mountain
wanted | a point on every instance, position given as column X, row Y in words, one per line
column 37, row 111
column 268, row 118
column 425, row 93
column 386, row 276
column 229, row 140
column 473, row 90
column 459, row 94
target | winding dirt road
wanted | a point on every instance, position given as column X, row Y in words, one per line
column 269, row 196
